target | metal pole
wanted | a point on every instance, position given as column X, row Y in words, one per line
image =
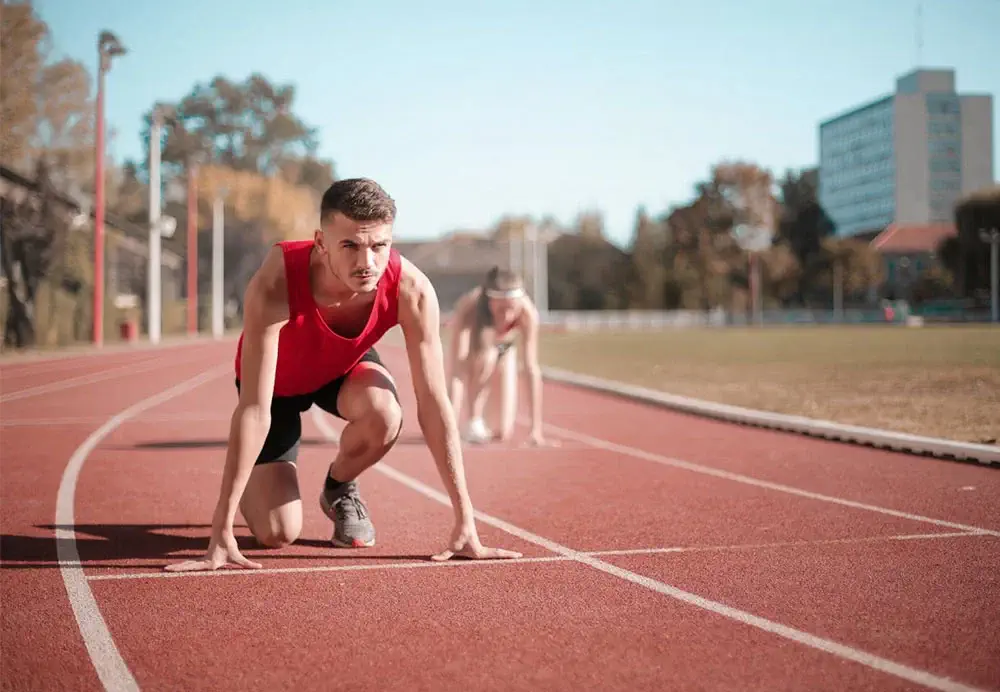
column 529, row 251
column 838, row 291
column 995, row 275
column 515, row 253
column 755, row 307
column 992, row 236
column 153, row 288
column 542, row 280
column 98, row 307
column 217, row 266
column 108, row 46
column 192, row 250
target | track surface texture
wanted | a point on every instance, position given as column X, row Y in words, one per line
column 661, row 551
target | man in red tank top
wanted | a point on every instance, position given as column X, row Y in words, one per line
column 312, row 315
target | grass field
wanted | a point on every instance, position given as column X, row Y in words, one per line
column 937, row 381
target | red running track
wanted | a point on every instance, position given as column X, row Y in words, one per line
column 662, row 551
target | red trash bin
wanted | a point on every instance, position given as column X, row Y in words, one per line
column 129, row 331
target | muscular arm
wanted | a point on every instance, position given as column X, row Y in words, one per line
column 531, row 369
column 419, row 318
column 458, row 355
column 264, row 315
column 265, row 311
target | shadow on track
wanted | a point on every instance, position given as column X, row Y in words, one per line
column 98, row 544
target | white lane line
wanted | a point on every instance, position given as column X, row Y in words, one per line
column 7, row 376
column 90, row 420
column 749, row 480
column 108, row 663
column 21, row 363
column 599, row 443
column 865, row 658
column 318, row 568
column 785, row 544
column 556, row 558
column 128, row 369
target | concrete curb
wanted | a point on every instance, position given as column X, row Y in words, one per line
column 883, row 439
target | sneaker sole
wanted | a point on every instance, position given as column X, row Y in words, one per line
column 355, row 543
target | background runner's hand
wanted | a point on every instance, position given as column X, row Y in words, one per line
column 465, row 543
column 222, row 550
column 538, row 440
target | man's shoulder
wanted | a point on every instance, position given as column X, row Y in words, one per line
column 267, row 290
column 413, row 282
column 418, row 300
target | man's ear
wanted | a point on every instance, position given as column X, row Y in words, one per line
column 319, row 240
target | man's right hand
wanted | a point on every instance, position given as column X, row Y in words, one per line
column 222, row 550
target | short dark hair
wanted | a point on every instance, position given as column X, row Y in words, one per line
column 359, row 199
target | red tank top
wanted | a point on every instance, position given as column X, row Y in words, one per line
column 310, row 353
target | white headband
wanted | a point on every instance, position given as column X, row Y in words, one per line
column 510, row 293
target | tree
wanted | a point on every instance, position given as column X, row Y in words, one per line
column 65, row 127
column 247, row 126
column 646, row 250
column 966, row 255
column 849, row 267
column 34, row 232
column 284, row 210
column 590, row 224
column 46, row 128
column 45, row 108
column 22, row 35
column 587, row 273
column 803, row 226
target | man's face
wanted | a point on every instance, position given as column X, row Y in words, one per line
column 356, row 252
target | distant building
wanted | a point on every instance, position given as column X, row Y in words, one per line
column 907, row 157
column 908, row 251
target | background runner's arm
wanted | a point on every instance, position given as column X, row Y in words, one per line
column 531, row 369
column 252, row 416
column 458, row 365
column 420, row 320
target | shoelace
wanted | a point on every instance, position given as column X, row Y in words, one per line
column 341, row 506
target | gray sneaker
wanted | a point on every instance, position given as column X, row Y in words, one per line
column 352, row 527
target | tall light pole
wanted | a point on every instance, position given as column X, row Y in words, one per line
column 218, row 238
column 992, row 236
column 540, row 270
column 108, row 46
column 192, row 246
column 159, row 227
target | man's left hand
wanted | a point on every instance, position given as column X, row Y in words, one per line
column 465, row 543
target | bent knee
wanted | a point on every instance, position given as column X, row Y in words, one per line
column 384, row 421
column 482, row 363
column 279, row 536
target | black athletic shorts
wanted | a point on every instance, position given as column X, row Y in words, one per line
column 285, row 433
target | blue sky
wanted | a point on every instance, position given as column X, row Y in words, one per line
column 465, row 111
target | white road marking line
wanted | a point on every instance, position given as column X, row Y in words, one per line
column 112, row 670
column 556, row 558
column 749, row 480
column 837, row 649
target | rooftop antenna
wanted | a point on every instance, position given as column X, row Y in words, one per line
column 919, row 34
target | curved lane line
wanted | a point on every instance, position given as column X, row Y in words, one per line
column 111, row 668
